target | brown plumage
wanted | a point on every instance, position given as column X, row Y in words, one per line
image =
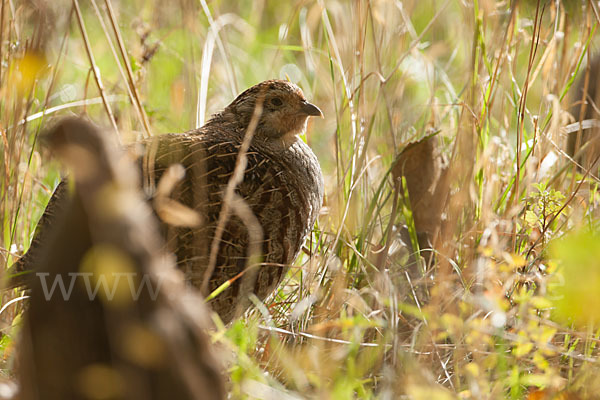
column 281, row 190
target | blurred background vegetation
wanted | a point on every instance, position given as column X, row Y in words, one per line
column 508, row 305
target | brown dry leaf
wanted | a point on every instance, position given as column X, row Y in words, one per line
column 546, row 394
column 169, row 210
column 423, row 167
column 584, row 145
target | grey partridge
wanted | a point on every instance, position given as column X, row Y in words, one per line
column 273, row 208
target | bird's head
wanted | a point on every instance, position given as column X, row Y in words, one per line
column 284, row 109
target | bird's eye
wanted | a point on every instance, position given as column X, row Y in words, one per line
column 276, row 101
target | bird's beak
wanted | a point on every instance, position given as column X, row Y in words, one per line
column 311, row 109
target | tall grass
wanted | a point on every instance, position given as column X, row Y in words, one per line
column 497, row 313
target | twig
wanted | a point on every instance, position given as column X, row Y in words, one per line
column 113, row 98
column 221, row 46
column 571, row 197
column 325, row 339
column 131, row 89
column 236, row 177
column 137, row 102
column 1, row 34
column 537, row 26
column 95, row 69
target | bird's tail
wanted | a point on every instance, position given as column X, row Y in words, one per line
column 21, row 272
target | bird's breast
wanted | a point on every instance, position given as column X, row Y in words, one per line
column 282, row 190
